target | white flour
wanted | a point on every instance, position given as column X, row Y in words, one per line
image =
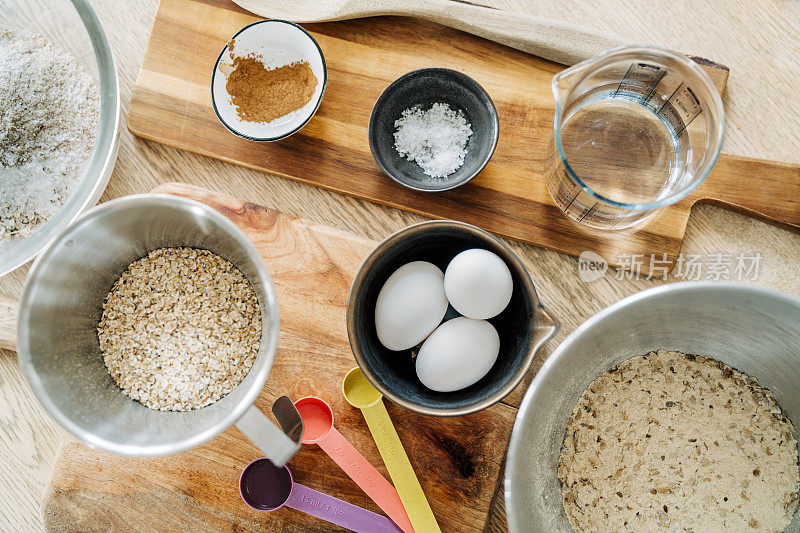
column 49, row 110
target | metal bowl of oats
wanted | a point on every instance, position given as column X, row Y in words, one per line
column 149, row 327
column 59, row 132
column 620, row 432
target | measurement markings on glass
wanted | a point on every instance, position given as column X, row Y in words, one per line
column 587, row 212
column 642, row 79
column 680, row 109
column 572, row 198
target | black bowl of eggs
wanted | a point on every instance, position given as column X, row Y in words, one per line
column 444, row 319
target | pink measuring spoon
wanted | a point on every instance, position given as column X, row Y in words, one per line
column 266, row 487
column 317, row 418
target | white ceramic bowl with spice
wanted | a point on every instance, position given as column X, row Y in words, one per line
column 72, row 26
column 275, row 44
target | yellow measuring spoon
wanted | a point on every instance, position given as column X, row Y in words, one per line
column 359, row 392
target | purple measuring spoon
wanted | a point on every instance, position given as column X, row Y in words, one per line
column 266, row 487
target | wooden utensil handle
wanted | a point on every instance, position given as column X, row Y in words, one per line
column 765, row 189
column 551, row 39
column 9, row 310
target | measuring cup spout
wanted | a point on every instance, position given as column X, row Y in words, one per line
column 546, row 326
column 569, row 77
column 563, row 82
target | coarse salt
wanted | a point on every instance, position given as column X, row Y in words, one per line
column 436, row 139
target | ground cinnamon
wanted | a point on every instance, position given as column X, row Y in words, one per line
column 262, row 95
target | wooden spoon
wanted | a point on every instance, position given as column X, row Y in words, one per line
column 551, row 39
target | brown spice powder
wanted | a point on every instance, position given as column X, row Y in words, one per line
column 262, row 95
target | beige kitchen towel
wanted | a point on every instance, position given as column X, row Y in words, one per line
column 555, row 40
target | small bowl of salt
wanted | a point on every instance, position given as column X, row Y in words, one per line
column 433, row 129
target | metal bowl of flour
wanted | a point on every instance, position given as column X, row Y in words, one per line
column 72, row 26
column 422, row 89
column 754, row 330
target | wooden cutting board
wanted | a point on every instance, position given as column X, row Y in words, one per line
column 171, row 104
column 458, row 460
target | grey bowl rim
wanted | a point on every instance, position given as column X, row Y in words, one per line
column 269, row 349
column 516, row 447
column 310, row 116
column 404, row 78
column 358, row 281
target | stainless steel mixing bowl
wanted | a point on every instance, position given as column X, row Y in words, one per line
column 73, row 26
column 754, row 330
column 62, row 303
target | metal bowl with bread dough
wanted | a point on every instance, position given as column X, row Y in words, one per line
column 752, row 329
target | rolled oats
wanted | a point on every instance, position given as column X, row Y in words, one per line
column 180, row 329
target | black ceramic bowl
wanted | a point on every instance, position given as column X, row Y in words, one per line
column 423, row 88
column 524, row 326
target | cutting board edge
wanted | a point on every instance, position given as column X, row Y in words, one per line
column 363, row 197
column 48, row 491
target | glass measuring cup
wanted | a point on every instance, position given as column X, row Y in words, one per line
column 636, row 128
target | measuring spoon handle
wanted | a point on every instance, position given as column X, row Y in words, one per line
column 265, row 434
column 399, row 467
column 339, row 512
column 367, row 477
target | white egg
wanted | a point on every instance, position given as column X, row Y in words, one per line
column 410, row 305
column 458, row 354
column 478, row 284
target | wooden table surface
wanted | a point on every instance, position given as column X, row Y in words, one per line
column 758, row 39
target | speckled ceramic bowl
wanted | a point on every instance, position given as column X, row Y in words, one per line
column 275, row 43
column 423, row 88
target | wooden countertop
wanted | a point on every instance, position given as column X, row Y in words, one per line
column 758, row 39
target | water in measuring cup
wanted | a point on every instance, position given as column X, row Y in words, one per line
column 622, row 148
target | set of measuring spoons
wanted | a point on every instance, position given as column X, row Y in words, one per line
column 266, row 487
